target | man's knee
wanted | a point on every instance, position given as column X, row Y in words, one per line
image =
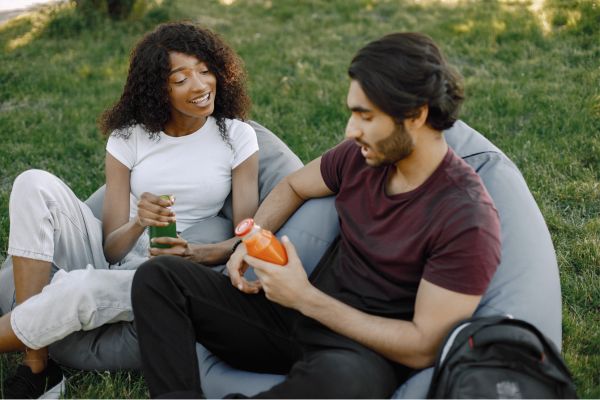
column 152, row 275
column 147, row 273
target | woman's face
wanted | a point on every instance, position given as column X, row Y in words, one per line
column 192, row 88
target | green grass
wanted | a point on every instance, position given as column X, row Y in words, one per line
column 532, row 79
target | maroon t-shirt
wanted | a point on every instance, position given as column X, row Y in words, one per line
column 446, row 231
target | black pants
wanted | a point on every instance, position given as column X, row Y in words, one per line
column 177, row 302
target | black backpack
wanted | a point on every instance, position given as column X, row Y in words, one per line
column 502, row 358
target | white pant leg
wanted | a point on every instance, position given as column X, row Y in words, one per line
column 76, row 300
column 49, row 223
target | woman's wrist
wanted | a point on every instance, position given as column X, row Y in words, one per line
column 210, row 254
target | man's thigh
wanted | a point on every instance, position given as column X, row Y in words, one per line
column 334, row 366
column 245, row 330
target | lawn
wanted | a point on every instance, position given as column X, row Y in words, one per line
column 532, row 74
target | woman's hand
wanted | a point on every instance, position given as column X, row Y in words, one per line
column 207, row 254
column 179, row 247
column 154, row 210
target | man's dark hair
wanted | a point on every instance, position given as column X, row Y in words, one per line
column 145, row 98
column 404, row 71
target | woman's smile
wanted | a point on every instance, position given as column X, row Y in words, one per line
column 202, row 101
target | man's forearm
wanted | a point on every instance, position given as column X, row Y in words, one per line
column 398, row 340
column 278, row 206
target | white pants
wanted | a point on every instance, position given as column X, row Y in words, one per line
column 49, row 223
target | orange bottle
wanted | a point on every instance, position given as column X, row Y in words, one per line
column 261, row 243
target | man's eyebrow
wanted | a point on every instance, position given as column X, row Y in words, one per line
column 359, row 109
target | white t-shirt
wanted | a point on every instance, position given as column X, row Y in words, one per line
column 195, row 168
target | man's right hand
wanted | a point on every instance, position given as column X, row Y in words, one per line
column 236, row 267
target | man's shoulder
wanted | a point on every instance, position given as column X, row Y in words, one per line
column 462, row 197
column 344, row 152
column 466, row 181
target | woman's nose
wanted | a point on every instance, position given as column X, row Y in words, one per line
column 200, row 82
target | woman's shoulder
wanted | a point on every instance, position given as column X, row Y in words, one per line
column 236, row 124
column 237, row 128
column 130, row 132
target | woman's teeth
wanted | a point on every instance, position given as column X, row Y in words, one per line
column 202, row 99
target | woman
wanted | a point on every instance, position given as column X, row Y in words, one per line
column 176, row 130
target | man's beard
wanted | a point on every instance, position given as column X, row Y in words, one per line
column 394, row 148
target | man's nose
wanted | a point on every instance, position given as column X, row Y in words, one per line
column 352, row 131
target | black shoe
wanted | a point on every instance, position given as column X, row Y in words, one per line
column 48, row 384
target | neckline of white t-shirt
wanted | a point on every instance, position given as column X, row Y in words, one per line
column 210, row 122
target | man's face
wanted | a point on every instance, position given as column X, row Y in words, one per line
column 381, row 139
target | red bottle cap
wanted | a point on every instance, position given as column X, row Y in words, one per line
column 244, row 227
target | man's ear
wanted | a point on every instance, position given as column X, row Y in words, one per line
column 419, row 119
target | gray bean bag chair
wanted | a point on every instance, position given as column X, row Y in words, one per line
column 114, row 346
column 526, row 284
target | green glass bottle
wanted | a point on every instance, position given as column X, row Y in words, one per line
column 163, row 231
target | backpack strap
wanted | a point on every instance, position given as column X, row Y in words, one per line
column 473, row 324
column 457, row 334
column 551, row 352
column 517, row 336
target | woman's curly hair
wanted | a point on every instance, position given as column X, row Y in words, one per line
column 145, row 98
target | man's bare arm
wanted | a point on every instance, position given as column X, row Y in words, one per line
column 278, row 206
column 412, row 343
column 290, row 193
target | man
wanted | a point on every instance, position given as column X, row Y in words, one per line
column 418, row 246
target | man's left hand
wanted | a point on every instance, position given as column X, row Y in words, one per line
column 285, row 285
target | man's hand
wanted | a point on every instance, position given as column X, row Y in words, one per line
column 286, row 285
column 236, row 267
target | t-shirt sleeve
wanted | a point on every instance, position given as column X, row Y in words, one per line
column 333, row 162
column 123, row 149
column 467, row 252
column 244, row 142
